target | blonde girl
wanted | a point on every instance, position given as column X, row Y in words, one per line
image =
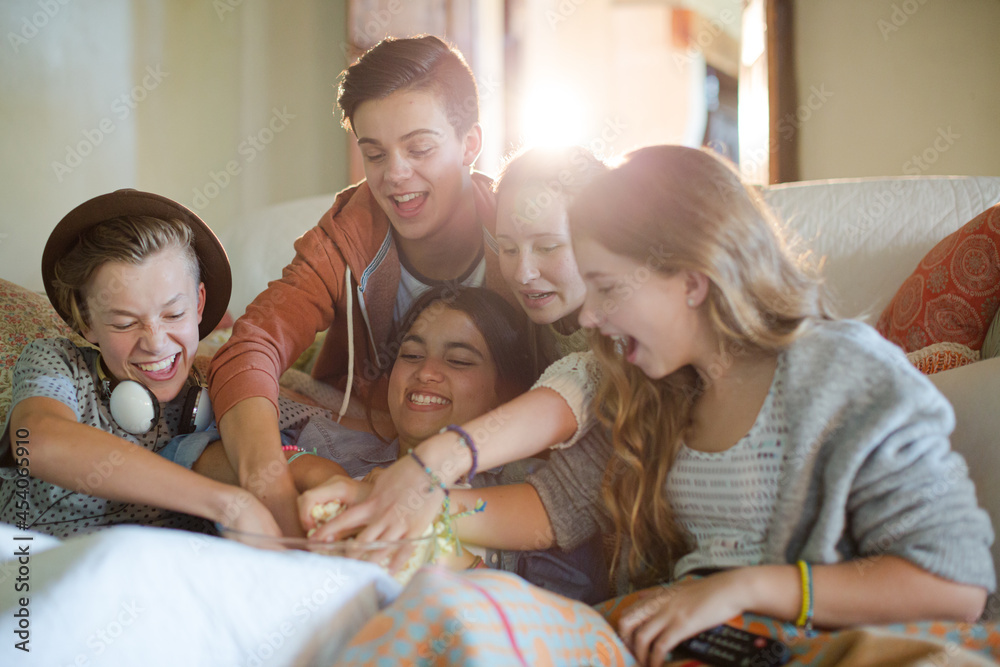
column 533, row 191
column 799, row 463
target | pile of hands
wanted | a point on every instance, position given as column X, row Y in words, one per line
column 388, row 505
column 385, row 506
column 395, row 503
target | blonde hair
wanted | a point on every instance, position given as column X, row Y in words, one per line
column 561, row 172
column 557, row 175
column 127, row 239
column 671, row 209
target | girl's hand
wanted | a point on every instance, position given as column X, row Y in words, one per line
column 337, row 488
column 654, row 627
column 401, row 504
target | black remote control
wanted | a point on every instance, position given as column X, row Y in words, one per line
column 726, row 646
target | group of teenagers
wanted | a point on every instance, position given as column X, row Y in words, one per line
column 626, row 369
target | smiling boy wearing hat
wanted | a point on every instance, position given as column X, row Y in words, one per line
column 143, row 279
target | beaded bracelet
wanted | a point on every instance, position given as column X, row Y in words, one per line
column 806, row 614
column 466, row 439
column 443, row 527
column 298, row 452
column 430, row 473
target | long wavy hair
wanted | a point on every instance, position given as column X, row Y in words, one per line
column 671, row 209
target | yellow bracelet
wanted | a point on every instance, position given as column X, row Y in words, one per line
column 806, row 614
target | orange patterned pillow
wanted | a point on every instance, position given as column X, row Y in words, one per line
column 942, row 357
column 953, row 294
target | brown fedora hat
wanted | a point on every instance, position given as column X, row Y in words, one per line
column 215, row 271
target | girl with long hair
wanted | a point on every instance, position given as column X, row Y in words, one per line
column 798, row 463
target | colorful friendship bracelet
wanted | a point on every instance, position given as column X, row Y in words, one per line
column 445, row 528
column 806, row 614
column 298, row 452
column 430, row 473
column 468, row 442
column 444, row 525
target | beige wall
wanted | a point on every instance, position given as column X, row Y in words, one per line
column 897, row 87
column 164, row 96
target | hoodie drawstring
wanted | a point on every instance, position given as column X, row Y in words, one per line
column 350, row 345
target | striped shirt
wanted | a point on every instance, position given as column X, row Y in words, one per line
column 726, row 500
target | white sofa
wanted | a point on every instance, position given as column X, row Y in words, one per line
column 870, row 233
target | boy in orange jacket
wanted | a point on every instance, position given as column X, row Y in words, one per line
column 421, row 218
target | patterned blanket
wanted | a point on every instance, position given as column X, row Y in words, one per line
column 486, row 618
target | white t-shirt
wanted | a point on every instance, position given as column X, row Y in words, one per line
column 412, row 284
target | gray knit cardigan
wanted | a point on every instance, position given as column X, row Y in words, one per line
column 868, row 469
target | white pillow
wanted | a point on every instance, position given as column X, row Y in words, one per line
column 132, row 595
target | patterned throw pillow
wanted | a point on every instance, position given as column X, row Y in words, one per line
column 24, row 316
column 942, row 357
column 953, row 294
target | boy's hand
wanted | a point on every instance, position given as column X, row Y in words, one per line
column 252, row 442
column 279, row 498
column 247, row 514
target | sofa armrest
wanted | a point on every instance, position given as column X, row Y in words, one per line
column 974, row 392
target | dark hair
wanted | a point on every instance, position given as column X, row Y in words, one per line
column 503, row 327
column 414, row 63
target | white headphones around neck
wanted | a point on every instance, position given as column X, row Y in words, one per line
column 135, row 408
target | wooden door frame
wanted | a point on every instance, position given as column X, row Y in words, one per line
column 782, row 93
